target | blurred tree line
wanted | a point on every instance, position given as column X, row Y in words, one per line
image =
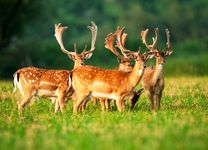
column 27, row 29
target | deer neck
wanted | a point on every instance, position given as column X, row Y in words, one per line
column 76, row 65
column 158, row 71
column 136, row 75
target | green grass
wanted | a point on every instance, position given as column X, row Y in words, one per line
column 182, row 123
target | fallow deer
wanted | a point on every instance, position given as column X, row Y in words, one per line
column 153, row 80
column 32, row 81
column 121, row 39
column 77, row 58
column 112, row 84
column 124, row 63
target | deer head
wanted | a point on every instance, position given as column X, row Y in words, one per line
column 141, row 58
column 160, row 55
column 77, row 58
column 123, row 59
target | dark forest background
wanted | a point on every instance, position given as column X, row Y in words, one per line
column 27, row 32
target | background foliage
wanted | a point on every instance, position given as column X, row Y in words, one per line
column 27, row 31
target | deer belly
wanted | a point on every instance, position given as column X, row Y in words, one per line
column 104, row 95
column 45, row 92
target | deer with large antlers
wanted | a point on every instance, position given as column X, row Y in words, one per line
column 77, row 58
column 124, row 63
column 33, row 81
column 153, row 80
column 112, row 84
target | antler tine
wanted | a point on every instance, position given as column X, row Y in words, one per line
column 75, row 47
column 155, row 38
column 168, row 38
column 58, row 34
column 121, row 39
column 109, row 45
column 85, row 47
column 93, row 29
column 143, row 36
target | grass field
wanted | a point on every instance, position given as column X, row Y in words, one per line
column 182, row 123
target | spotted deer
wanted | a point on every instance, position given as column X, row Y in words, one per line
column 32, row 81
column 78, row 59
column 153, row 80
column 124, row 63
column 112, row 84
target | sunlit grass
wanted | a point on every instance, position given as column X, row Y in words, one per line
column 182, row 122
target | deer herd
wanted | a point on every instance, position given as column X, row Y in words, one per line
column 85, row 82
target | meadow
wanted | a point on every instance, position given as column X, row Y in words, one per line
column 182, row 122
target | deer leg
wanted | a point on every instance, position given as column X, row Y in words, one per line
column 57, row 107
column 24, row 101
column 102, row 102
column 84, row 104
column 53, row 100
column 133, row 99
column 78, row 103
column 61, row 99
column 120, row 104
column 132, row 102
column 94, row 101
column 151, row 98
column 158, row 98
column 19, row 101
column 107, row 104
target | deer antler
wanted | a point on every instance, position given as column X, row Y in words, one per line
column 93, row 29
column 144, row 34
column 121, row 39
column 168, row 39
column 58, row 34
column 109, row 45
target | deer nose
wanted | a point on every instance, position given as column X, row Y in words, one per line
column 164, row 61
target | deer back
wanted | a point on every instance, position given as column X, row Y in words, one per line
column 35, row 79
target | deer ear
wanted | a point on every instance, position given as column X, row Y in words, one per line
column 167, row 53
column 88, row 56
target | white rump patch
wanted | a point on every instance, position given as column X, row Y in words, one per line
column 18, row 85
column 69, row 82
